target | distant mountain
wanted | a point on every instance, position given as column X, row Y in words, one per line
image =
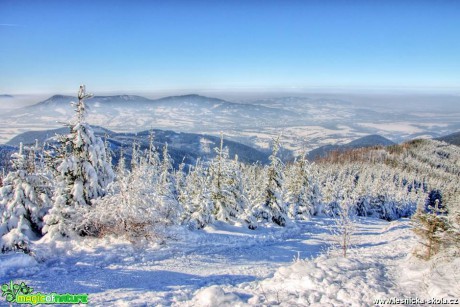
column 6, row 96
column 190, row 113
column 453, row 138
column 128, row 101
column 63, row 100
column 366, row 141
column 187, row 147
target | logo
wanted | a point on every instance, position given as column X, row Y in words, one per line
column 22, row 294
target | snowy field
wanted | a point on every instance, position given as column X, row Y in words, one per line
column 225, row 265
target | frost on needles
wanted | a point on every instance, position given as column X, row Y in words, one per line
column 83, row 174
column 24, row 199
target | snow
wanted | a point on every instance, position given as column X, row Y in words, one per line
column 17, row 265
column 225, row 265
column 215, row 296
column 439, row 277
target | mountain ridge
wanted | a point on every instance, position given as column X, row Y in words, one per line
column 453, row 138
column 170, row 101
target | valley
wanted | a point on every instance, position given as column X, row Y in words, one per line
column 305, row 123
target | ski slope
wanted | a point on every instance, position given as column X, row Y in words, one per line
column 230, row 265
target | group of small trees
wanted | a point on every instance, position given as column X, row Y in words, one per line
column 36, row 199
column 419, row 179
column 69, row 190
column 24, row 198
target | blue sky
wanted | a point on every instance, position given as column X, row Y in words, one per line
column 52, row 46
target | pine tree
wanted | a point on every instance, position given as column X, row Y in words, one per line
column 108, row 150
column 198, row 208
column 430, row 226
column 299, row 190
column 253, row 178
column 316, row 196
column 227, row 193
column 239, row 200
column 273, row 209
column 180, row 186
column 83, row 175
column 168, row 205
column 217, row 178
column 121, row 166
column 23, row 202
column 135, row 156
column 452, row 235
column 152, row 156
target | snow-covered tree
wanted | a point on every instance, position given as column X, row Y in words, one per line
column 198, row 206
column 121, row 166
column 153, row 157
column 235, row 182
column 180, row 186
column 430, row 226
column 316, row 196
column 169, row 210
column 135, row 156
column 344, row 225
column 128, row 209
column 452, row 236
column 108, row 150
column 273, row 209
column 254, row 179
column 24, row 199
column 299, row 190
column 83, row 174
column 227, row 193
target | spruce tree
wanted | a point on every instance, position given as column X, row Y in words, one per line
column 198, row 208
column 430, row 226
column 227, row 192
column 273, row 209
column 24, row 199
column 299, row 190
column 168, row 208
column 83, row 174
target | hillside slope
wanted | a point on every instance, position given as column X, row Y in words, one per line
column 366, row 141
column 453, row 138
column 187, row 147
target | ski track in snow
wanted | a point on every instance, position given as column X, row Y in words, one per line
column 248, row 267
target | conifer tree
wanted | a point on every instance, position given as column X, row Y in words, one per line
column 430, row 226
column 168, row 205
column 108, row 150
column 273, row 209
column 199, row 208
column 24, row 199
column 299, row 190
column 135, row 157
column 83, row 174
column 180, row 182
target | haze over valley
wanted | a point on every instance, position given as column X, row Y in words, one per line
column 305, row 122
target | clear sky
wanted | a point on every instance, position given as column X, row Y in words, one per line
column 53, row 46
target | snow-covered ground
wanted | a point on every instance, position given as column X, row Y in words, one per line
column 229, row 265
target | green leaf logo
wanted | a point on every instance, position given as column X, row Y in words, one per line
column 11, row 290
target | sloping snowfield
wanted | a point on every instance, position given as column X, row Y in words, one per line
column 229, row 265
